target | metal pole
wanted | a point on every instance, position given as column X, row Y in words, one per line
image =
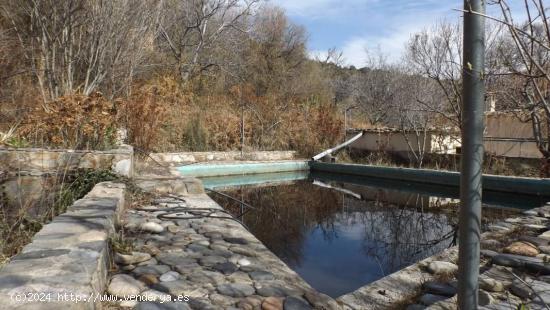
column 345, row 124
column 473, row 95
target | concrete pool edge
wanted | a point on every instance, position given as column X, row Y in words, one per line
column 532, row 186
column 241, row 168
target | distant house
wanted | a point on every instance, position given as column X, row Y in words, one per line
column 505, row 135
column 393, row 140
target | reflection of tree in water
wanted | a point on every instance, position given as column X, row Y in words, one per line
column 395, row 235
column 288, row 213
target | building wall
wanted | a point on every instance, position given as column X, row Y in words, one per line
column 386, row 141
column 506, row 135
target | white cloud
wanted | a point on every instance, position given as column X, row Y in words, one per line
column 315, row 9
column 354, row 51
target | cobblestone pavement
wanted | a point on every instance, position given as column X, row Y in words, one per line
column 202, row 256
column 515, row 268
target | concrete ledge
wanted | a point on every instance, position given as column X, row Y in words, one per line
column 68, row 256
column 186, row 157
column 390, row 290
column 241, row 168
column 170, row 185
column 497, row 183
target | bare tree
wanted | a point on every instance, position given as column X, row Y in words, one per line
column 525, row 55
column 437, row 54
column 77, row 45
column 194, row 27
column 374, row 89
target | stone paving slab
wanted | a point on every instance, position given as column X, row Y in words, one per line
column 68, row 256
column 515, row 272
column 215, row 262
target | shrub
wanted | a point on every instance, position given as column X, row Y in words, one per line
column 74, row 121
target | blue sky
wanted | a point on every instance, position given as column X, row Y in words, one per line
column 352, row 25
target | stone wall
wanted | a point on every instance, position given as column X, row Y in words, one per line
column 31, row 161
column 31, row 176
column 70, row 255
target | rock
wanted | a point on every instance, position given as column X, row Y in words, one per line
column 295, row 303
column 202, row 304
column 198, row 248
column 545, row 235
column 152, row 305
column 209, row 261
column 545, row 249
column 321, row 301
column 415, row 307
column 222, row 300
column 440, row 267
column 522, row 248
column 152, row 227
column 509, row 260
column 123, row 285
column 261, row 275
column 274, row 290
column 489, row 253
column 537, row 227
column 129, row 259
column 272, row 303
column 538, row 268
column 241, row 241
column 203, row 242
column 235, row 289
column 239, row 277
column 175, row 258
column 175, row 288
column 175, row 229
column 223, row 253
column 521, row 290
column 169, row 276
column 490, row 243
column 154, row 269
column 148, row 278
column 484, row 298
column 128, row 303
column 250, row 303
column 226, row 268
column 490, row 285
column 128, row 268
column 154, row 295
column 242, row 250
column 498, row 228
column 437, row 288
column 149, row 262
column 529, row 288
column 534, row 240
column 206, row 276
column 243, row 262
column 447, row 304
column 429, row 299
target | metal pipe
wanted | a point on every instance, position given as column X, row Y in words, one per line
column 336, row 148
column 473, row 95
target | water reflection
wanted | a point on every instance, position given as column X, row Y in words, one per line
column 340, row 236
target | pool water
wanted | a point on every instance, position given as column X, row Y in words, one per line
column 340, row 236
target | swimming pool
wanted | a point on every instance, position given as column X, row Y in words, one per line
column 342, row 233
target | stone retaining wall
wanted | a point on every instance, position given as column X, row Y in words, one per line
column 29, row 176
column 32, row 161
column 70, row 255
